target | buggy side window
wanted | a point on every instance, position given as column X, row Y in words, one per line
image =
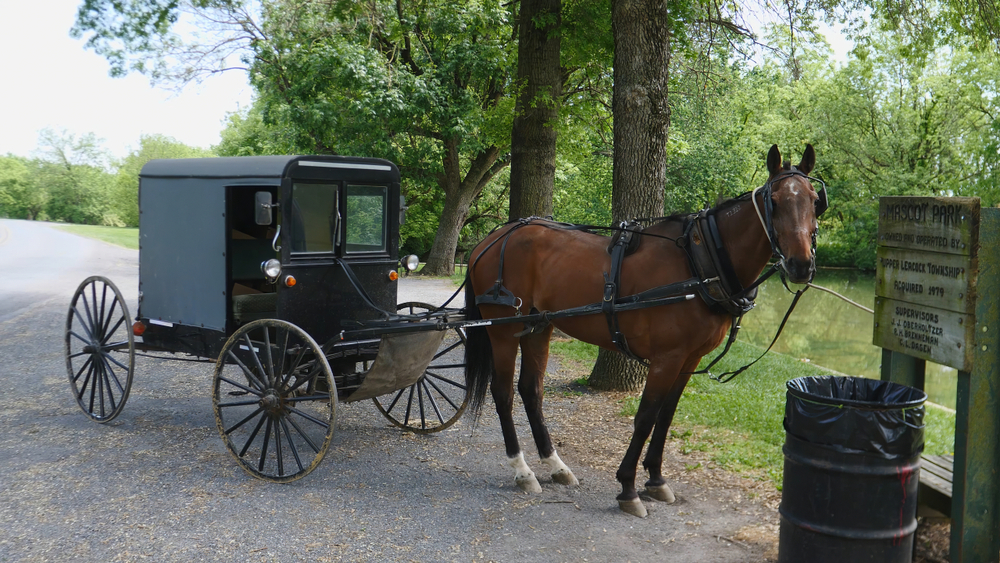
column 314, row 217
column 365, row 226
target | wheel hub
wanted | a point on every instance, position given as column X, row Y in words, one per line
column 271, row 402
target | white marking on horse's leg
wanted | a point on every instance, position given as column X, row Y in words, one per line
column 560, row 473
column 523, row 475
column 661, row 493
column 633, row 507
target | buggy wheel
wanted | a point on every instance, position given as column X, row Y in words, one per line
column 96, row 327
column 274, row 399
column 438, row 399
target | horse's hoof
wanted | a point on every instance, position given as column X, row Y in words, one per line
column 661, row 493
column 565, row 477
column 633, row 507
column 528, row 484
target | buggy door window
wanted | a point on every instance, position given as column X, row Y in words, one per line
column 365, row 228
column 315, row 217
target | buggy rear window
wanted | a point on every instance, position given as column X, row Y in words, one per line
column 365, row 228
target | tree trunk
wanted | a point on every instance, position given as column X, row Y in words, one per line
column 459, row 192
column 642, row 122
column 533, row 136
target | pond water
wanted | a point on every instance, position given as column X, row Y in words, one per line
column 831, row 333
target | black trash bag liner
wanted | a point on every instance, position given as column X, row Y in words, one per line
column 856, row 415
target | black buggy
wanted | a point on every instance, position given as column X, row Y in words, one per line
column 282, row 270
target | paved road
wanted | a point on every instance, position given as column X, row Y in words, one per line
column 157, row 483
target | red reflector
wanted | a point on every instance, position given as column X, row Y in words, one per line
column 393, row 275
column 289, row 281
column 138, row 327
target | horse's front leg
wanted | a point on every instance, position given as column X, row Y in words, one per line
column 504, row 355
column 658, row 384
column 656, row 486
column 534, row 358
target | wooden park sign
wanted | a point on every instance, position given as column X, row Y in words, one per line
column 925, row 282
column 937, row 298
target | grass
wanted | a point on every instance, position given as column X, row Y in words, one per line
column 120, row 236
column 740, row 423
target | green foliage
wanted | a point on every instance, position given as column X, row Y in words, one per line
column 20, row 197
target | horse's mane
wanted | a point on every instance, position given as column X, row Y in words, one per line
column 720, row 204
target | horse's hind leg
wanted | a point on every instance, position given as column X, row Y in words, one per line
column 504, row 355
column 534, row 358
column 656, row 486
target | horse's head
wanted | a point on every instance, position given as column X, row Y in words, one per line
column 791, row 206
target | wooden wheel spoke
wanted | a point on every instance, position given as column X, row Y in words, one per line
column 248, row 418
column 86, row 328
column 432, row 401
column 395, row 399
column 304, row 435
column 291, row 443
column 238, row 385
column 309, row 417
column 253, row 435
column 246, row 371
column 107, row 336
column 429, row 381
column 267, row 442
column 444, row 379
column 252, row 350
column 110, row 373
column 446, row 351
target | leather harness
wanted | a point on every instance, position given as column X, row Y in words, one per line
column 714, row 276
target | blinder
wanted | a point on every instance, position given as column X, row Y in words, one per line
column 822, row 203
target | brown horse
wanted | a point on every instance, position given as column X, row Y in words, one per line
column 547, row 267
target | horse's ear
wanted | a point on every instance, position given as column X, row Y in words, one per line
column 808, row 160
column 773, row 161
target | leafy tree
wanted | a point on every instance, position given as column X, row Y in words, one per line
column 20, row 197
column 72, row 170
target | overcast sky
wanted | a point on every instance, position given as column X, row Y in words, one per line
column 48, row 79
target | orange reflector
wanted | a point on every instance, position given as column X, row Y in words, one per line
column 138, row 327
column 289, row 281
column 393, row 275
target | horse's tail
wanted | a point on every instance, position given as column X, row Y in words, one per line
column 478, row 353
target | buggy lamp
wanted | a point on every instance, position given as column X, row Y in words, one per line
column 138, row 327
column 411, row 262
column 271, row 268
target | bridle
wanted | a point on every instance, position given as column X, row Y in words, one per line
column 767, row 215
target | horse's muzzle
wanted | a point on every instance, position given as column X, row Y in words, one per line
column 799, row 271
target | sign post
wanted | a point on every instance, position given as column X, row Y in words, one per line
column 938, row 298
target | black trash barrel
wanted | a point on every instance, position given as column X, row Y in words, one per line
column 852, row 461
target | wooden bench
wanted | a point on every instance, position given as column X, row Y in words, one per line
column 934, row 490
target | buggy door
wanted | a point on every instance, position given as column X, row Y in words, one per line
column 337, row 247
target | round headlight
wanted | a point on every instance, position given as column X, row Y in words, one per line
column 271, row 268
column 411, row 262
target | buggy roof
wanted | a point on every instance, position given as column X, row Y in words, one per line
column 255, row 166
